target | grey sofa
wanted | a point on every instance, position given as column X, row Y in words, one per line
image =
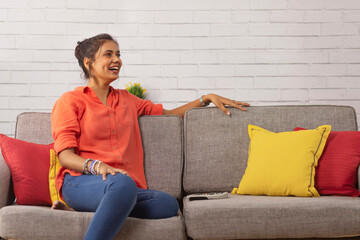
column 205, row 152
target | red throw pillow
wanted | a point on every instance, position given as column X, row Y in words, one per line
column 29, row 166
column 336, row 173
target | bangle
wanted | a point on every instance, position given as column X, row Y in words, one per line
column 92, row 167
column 203, row 104
column 85, row 169
column 98, row 168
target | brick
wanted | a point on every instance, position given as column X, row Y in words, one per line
column 353, row 16
column 55, row 3
column 48, row 89
column 286, row 42
column 227, row 93
column 227, row 5
column 3, row 14
column 64, row 15
column 229, row 30
column 339, row 29
column 85, row 29
column 142, row 70
column 136, row 5
column 268, row 4
column 28, row 15
column 303, row 29
column 266, row 95
column 293, row 70
column 128, row 43
column 290, row 82
column 322, row 43
column 13, row 4
column 157, row 83
column 257, row 70
column 15, row 55
column 339, row 4
column 4, row 102
column 173, row 17
column 5, row 76
column 189, row 30
column 211, row 43
column 65, row 77
column 245, row 95
column 196, row 83
column 161, row 57
column 24, row 66
column 47, row 28
column 354, row 69
column 90, row 4
column 30, row 76
column 234, row 82
column 322, row 16
column 33, row 42
column 179, row 70
column 135, row 17
column 340, row 82
column 294, row 95
column 29, row 103
column 61, row 66
column 217, row 70
column 211, row 17
column 250, row 16
column 56, row 56
column 5, row 128
column 64, row 43
column 292, row 57
column 351, row 42
column 14, row 90
column 155, row 30
column 123, row 30
column 14, row 28
column 304, row 4
column 236, row 57
column 351, row 56
column 267, row 29
column 250, row 43
column 353, row 94
column 178, row 95
column 326, row 94
column 328, row 69
column 5, row 65
column 287, row 16
column 199, row 57
column 100, row 16
column 131, row 57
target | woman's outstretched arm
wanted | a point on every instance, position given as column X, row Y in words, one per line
column 217, row 100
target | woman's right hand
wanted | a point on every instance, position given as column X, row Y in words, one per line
column 105, row 169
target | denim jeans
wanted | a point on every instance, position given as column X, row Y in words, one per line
column 113, row 200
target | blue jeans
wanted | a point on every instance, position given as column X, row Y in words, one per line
column 113, row 200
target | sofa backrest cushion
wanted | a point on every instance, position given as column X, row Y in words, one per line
column 216, row 145
column 162, row 139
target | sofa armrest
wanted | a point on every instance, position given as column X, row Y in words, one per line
column 6, row 191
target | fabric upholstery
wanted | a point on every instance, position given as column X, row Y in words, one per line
column 216, row 145
column 258, row 217
column 33, row 223
column 6, row 190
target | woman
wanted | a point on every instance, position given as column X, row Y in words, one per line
column 97, row 139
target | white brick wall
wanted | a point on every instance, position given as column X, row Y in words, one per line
column 268, row 52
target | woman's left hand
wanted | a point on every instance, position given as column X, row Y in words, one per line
column 221, row 102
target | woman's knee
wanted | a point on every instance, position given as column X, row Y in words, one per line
column 121, row 184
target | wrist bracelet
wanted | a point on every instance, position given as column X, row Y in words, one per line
column 203, row 104
column 92, row 167
column 98, row 168
column 85, row 169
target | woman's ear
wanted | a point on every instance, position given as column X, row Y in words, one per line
column 86, row 63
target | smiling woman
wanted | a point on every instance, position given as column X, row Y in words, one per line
column 97, row 138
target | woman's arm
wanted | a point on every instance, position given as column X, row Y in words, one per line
column 72, row 161
column 217, row 100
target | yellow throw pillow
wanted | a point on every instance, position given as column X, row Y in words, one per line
column 283, row 164
column 54, row 168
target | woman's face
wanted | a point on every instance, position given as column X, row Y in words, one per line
column 107, row 64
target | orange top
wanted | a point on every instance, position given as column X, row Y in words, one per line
column 108, row 133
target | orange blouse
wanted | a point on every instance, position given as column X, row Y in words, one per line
column 108, row 133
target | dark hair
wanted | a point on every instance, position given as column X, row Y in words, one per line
column 88, row 48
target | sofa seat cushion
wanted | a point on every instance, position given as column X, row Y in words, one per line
column 250, row 217
column 35, row 222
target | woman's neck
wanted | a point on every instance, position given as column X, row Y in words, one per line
column 101, row 90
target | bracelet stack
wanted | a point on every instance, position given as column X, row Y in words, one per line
column 93, row 170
